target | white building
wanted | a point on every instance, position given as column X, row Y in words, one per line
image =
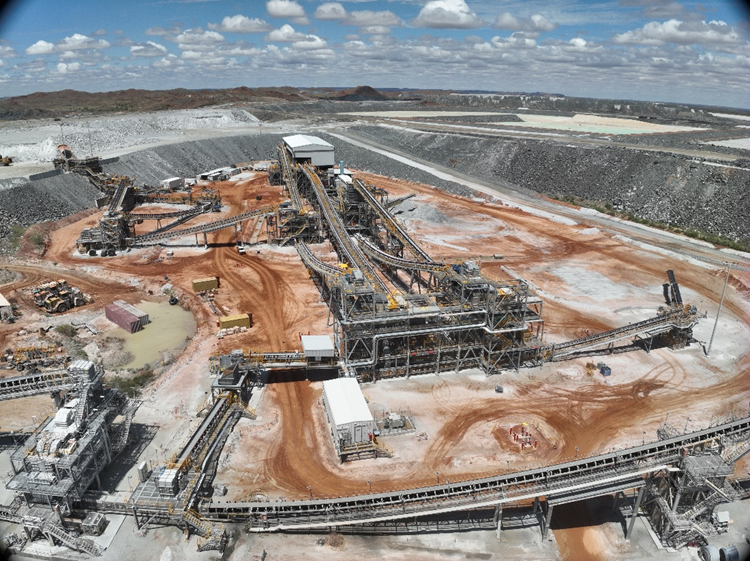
column 6, row 311
column 317, row 150
column 349, row 417
column 173, row 183
column 318, row 348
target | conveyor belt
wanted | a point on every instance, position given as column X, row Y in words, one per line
column 595, row 474
column 118, row 197
column 652, row 326
column 289, row 178
column 197, row 209
column 397, row 262
column 336, row 226
column 210, row 227
column 312, row 262
column 36, row 384
column 390, row 223
column 209, row 423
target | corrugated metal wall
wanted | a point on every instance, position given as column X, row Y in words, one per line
column 123, row 318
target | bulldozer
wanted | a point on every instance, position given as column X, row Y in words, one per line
column 57, row 297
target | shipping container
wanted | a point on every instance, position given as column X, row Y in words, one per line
column 241, row 320
column 208, row 283
column 123, row 318
column 140, row 314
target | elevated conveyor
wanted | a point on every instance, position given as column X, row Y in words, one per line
column 287, row 167
column 36, row 383
column 312, row 262
column 344, row 243
column 591, row 476
column 202, row 228
column 649, row 328
column 397, row 262
column 391, row 224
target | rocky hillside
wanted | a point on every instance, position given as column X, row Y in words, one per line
column 666, row 188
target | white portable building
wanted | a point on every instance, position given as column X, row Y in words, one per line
column 6, row 310
column 305, row 147
column 172, row 183
column 348, row 414
column 317, row 347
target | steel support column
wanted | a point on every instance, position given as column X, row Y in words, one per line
column 636, row 507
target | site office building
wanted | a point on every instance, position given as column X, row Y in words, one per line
column 348, row 415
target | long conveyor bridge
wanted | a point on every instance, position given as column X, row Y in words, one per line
column 567, row 481
column 201, row 228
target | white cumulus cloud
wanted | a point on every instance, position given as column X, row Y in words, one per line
column 681, row 33
column 198, row 40
column 79, row 42
column 41, row 48
column 447, row 14
column 65, row 68
column 285, row 34
column 368, row 18
column 148, row 49
column 537, row 22
column 287, row 9
column 240, row 24
column 330, row 11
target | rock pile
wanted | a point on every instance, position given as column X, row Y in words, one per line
column 667, row 188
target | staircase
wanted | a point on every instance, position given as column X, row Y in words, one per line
column 733, row 453
column 79, row 544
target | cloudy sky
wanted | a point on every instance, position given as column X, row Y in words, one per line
column 659, row 50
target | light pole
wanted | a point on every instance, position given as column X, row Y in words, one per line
column 644, row 437
column 576, row 451
column 370, row 486
column 437, row 474
column 310, row 489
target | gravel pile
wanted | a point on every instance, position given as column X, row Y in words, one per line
column 105, row 134
column 667, row 188
column 366, row 160
column 52, row 198
column 188, row 159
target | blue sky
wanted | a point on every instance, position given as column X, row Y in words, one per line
column 659, row 50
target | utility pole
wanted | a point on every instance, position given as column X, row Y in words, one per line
column 721, row 302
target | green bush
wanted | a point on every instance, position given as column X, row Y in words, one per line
column 66, row 330
column 132, row 385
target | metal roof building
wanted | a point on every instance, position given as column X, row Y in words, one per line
column 318, row 346
column 305, row 147
column 348, row 414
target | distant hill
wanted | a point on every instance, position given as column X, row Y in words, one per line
column 65, row 102
column 360, row 93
